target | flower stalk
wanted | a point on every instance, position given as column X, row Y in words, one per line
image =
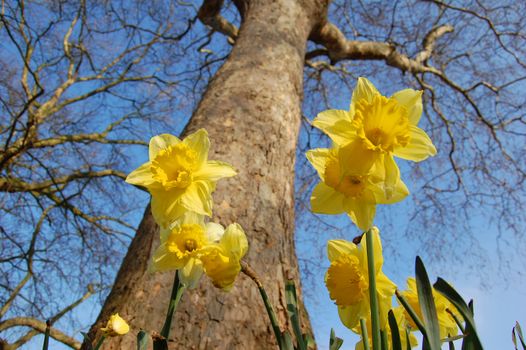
column 375, row 314
column 177, row 292
column 248, row 271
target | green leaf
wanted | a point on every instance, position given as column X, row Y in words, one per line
column 160, row 344
column 412, row 313
column 309, row 340
column 292, row 309
column 472, row 338
column 517, row 329
column 427, row 305
column 395, row 332
column 142, row 340
column 286, row 341
column 335, row 343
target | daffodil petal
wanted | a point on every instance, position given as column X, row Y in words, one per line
column 350, row 315
column 419, row 148
column 163, row 260
column 364, row 90
column 166, row 206
column 385, row 287
column 197, row 197
column 325, row 200
column 235, row 241
column 338, row 247
column 160, row 142
column 191, row 217
column 356, row 159
column 392, row 175
column 318, row 158
column 191, row 273
column 336, row 124
column 412, row 101
column 214, row 232
column 142, row 176
column 221, row 269
column 199, row 142
column 214, row 170
column 361, row 212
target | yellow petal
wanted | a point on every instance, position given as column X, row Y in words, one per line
column 385, row 288
column 162, row 260
column 214, row 170
column 234, row 241
column 116, row 326
column 160, row 142
column 339, row 247
column 392, row 175
column 356, row 159
column 325, row 200
column 419, row 148
column 412, row 101
column 364, row 90
column 221, row 269
column 197, row 197
column 361, row 212
column 350, row 315
column 336, row 124
column 318, row 158
column 191, row 217
column 142, row 176
column 199, row 142
column 166, row 207
column 214, row 232
column 191, row 273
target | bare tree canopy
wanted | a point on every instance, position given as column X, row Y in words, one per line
column 84, row 85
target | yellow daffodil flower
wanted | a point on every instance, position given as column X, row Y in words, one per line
column 356, row 195
column 347, row 279
column 402, row 325
column 376, row 128
column 222, row 261
column 448, row 326
column 179, row 176
column 116, row 326
column 193, row 247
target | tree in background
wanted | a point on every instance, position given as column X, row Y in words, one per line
column 81, row 83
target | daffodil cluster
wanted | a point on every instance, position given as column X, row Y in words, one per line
column 181, row 180
column 359, row 171
column 347, row 281
column 445, row 310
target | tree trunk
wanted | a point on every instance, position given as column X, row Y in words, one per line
column 252, row 111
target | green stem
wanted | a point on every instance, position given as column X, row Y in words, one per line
column 99, row 343
column 365, row 336
column 46, row 335
column 271, row 314
column 375, row 315
column 247, row 270
column 177, row 293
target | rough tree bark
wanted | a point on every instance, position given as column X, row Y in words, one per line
column 251, row 110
